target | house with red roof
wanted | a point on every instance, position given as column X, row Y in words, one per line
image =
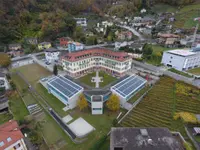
column 81, row 62
column 11, row 138
column 125, row 35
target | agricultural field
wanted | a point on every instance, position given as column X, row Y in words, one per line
column 159, row 8
column 159, row 106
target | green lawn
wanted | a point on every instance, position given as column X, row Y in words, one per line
column 5, row 118
column 180, row 72
column 107, row 79
column 197, row 138
column 17, row 107
column 33, row 72
column 195, row 71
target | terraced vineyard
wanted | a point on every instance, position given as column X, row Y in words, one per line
column 158, row 107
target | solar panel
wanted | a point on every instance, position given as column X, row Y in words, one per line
column 129, row 85
column 64, row 86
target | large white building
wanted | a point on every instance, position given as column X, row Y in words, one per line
column 181, row 59
column 81, row 62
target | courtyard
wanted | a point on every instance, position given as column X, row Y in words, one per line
column 106, row 79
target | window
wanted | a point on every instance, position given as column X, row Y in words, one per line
column 9, row 139
column 171, row 57
column 17, row 146
column 1, row 143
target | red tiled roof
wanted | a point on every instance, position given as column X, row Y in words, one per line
column 168, row 35
column 10, row 129
column 75, row 56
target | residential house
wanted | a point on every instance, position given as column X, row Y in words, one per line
column 81, row 22
column 118, row 45
column 75, row 46
column 14, row 47
column 143, row 139
column 11, row 138
column 64, row 41
column 168, row 40
column 171, row 42
column 32, row 41
column 52, row 55
column 126, row 35
column 3, row 81
column 44, row 45
column 3, row 99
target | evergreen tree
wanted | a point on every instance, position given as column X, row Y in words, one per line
column 55, row 70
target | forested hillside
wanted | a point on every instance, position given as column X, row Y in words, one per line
column 51, row 18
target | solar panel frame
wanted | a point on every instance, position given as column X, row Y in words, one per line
column 129, row 85
column 65, row 87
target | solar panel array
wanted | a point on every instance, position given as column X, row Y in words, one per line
column 129, row 85
column 65, row 86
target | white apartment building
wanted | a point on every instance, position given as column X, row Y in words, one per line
column 81, row 62
column 181, row 59
column 52, row 55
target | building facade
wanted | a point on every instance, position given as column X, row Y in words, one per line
column 11, row 138
column 52, row 55
column 181, row 59
column 78, row 63
column 3, row 81
column 75, row 46
column 14, row 47
column 44, row 45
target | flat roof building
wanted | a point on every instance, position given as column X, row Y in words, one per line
column 81, row 62
column 181, row 59
column 65, row 90
column 128, row 87
column 143, row 139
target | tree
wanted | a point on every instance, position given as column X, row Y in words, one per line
column 82, row 102
column 147, row 51
column 113, row 103
column 4, row 60
column 55, row 70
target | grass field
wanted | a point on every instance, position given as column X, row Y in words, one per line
column 180, row 72
column 107, row 79
column 17, row 107
column 33, row 72
column 159, row 106
column 195, row 71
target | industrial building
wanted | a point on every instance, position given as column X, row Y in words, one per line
column 181, row 59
